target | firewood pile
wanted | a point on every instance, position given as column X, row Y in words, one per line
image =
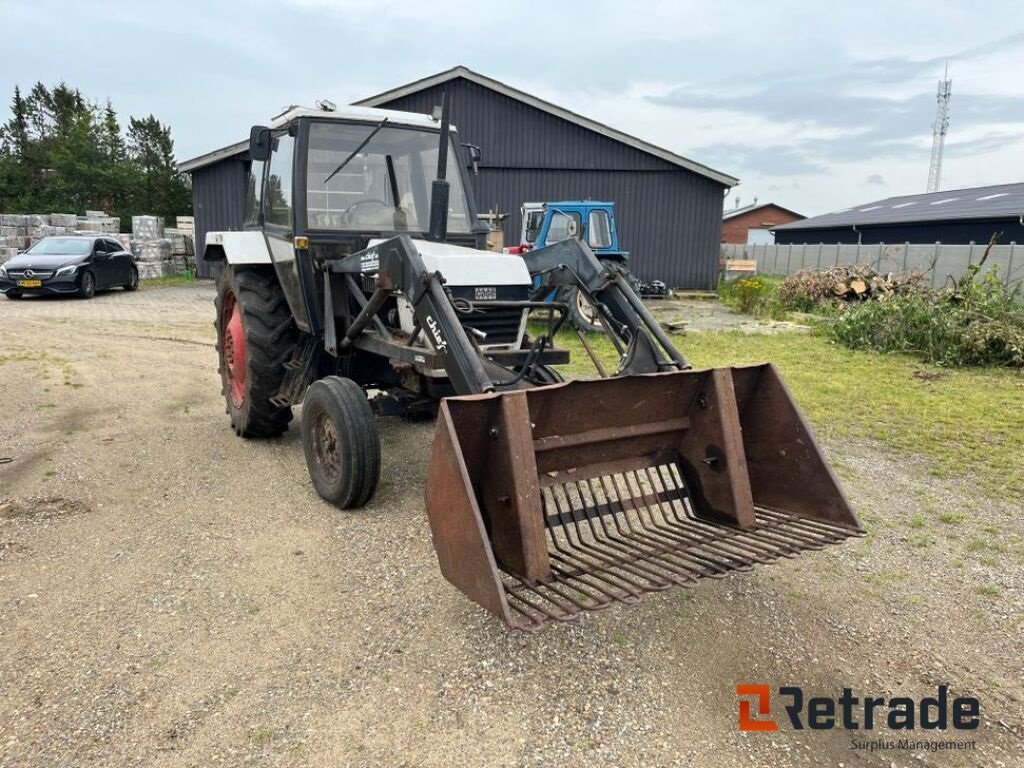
column 857, row 282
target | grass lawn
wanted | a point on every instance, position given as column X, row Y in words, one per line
column 967, row 422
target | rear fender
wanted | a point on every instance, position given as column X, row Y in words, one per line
column 248, row 247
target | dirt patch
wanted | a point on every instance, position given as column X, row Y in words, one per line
column 40, row 509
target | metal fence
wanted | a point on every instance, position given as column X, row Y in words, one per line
column 939, row 261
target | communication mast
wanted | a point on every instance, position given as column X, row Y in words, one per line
column 939, row 129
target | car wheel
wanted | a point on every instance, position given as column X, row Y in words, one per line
column 133, row 280
column 87, row 288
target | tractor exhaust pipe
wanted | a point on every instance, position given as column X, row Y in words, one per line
column 439, row 189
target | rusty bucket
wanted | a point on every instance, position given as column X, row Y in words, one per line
column 547, row 502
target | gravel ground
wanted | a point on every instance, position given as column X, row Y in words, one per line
column 171, row 595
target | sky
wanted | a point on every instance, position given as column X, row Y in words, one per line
column 814, row 106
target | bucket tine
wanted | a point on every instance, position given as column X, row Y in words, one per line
column 547, row 502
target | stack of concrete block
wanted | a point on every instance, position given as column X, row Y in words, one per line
column 183, row 249
column 7, row 253
column 98, row 223
column 147, row 227
column 14, row 231
column 154, row 253
column 153, row 257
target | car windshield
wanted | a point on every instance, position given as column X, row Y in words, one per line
column 62, row 246
column 386, row 185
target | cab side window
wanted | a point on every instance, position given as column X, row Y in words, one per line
column 563, row 226
column 254, row 195
column 278, row 204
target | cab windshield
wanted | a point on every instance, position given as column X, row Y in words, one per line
column 384, row 186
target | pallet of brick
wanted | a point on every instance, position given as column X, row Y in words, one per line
column 67, row 220
column 20, row 242
column 186, row 224
column 36, row 220
column 152, row 250
column 13, row 220
column 147, row 227
column 95, row 214
column 149, row 270
column 50, row 231
column 7, row 253
column 9, row 231
column 109, row 225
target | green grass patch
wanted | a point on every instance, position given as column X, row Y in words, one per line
column 967, row 422
column 167, row 280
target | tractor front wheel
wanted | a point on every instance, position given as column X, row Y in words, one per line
column 339, row 437
column 256, row 336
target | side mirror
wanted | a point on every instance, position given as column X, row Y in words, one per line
column 474, row 157
column 259, row 143
column 571, row 227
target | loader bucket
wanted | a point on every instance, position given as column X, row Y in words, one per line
column 547, row 502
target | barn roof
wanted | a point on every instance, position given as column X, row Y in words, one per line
column 553, row 109
column 731, row 212
column 999, row 201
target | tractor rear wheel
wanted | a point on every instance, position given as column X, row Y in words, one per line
column 256, row 336
column 582, row 313
column 339, row 437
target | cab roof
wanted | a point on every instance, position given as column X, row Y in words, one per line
column 341, row 113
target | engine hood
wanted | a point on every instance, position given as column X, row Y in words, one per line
column 469, row 267
column 42, row 261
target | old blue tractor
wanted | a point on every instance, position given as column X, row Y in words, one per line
column 592, row 222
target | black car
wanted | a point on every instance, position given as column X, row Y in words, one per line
column 78, row 265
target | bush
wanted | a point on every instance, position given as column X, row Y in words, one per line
column 749, row 295
column 977, row 322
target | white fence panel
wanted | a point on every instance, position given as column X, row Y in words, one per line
column 939, row 261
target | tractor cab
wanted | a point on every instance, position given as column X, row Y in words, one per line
column 590, row 221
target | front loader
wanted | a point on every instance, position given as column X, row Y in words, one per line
column 361, row 286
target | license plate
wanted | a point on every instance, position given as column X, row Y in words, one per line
column 30, row 283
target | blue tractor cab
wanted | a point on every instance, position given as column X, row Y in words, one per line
column 592, row 222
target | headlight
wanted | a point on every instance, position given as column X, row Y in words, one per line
column 68, row 270
column 3, row 271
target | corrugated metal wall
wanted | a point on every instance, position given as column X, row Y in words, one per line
column 218, row 202
column 669, row 218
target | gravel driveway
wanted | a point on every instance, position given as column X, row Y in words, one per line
column 171, row 595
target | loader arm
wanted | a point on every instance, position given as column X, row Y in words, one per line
column 645, row 347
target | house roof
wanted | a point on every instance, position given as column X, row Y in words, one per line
column 999, row 201
column 731, row 212
column 553, row 109
column 348, row 113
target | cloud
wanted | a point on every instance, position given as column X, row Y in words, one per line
column 768, row 160
column 845, row 116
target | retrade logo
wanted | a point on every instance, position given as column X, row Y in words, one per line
column 762, row 696
column 854, row 713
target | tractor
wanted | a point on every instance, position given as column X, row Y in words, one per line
column 359, row 285
column 591, row 221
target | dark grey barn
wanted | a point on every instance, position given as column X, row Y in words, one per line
column 956, row 216
column 669, row 208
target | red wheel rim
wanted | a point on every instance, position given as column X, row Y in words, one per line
column 234, row 349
